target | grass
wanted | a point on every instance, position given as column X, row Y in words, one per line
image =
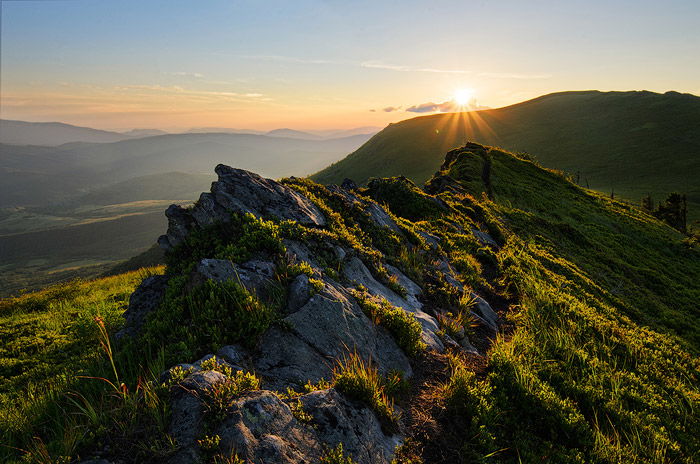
column 602, row 366
column 401, row 324
column 47, row 340
column 359, row 380
column 635, row 143
column 598, row 362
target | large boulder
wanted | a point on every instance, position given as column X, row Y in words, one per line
column 308, row 342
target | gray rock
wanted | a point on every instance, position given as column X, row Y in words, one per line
column 233, row 354
column 261, row 428
column 484, row 238
column 433, row 241
column 350, row 198
column 245, row 192
column 239, row 191
column 338, row 420
column 298, row 293
column 142, row 302
column 449, row 273
column 328, row 326
column 356, row 271
column 484, row 311
column 188, row 413
column 180, row 223
column 381, row 217
column 254, row 275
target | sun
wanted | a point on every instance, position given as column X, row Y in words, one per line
column 463, row 96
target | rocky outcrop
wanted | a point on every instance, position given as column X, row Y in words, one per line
column 320, row 322
column 261, row 427
column 323, row 330
column 239, row 191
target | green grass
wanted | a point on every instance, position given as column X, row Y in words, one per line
column 598, row 362
column 602, row 366
column 47, row 340
column 401, row 324
column 357, row 379
column 636, row 143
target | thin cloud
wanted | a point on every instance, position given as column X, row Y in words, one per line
column 403, row 68
column 515, row 75
column 195, row 75
column 175, row 89
column 289, row 59
column 389, row 109
column 449, row 106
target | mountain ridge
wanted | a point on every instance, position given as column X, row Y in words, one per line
column 632, row 143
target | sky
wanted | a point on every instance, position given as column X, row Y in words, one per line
column 329, row 64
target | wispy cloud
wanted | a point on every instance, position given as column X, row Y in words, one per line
column 290, row 59
column 195, row 75
column 405, row 68
column 381, row 65
column 176, row 89
column 389, row 109
column 445, row 107
column 515, row 75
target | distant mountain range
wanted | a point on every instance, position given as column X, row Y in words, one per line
column 58, row 133
column 92, row 204
column 629, row 143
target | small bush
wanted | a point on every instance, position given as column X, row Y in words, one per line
column 402, row 325
column 360, row 381
column 336, row 456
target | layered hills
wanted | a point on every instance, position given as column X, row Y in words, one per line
column 110, row 196
column 499, row 313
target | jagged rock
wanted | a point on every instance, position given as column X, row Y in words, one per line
column 233, row 354
column 484, row 238
column 261, row 428
column 298, row 252
column 328, row 326
column 142, row 302
column 449, row 273
column 338, row 420
column 245, row 192
column 484, row 311
column 254, row 275
column 444, row 184
column 180, row 223
column 432, row 240
column 239, row 191
column 188, row 413
column 356, row 271
column 381, row 217
column 348, row 195
column 298, row 293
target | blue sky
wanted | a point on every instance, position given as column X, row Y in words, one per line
column 320, row 64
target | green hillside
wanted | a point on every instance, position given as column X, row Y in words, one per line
column 595, row 359
column 635, row 143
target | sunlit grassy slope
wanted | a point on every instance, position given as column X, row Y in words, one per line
column 47, row 340
column 598, row 362
column 602, row 365
column 634, row 143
